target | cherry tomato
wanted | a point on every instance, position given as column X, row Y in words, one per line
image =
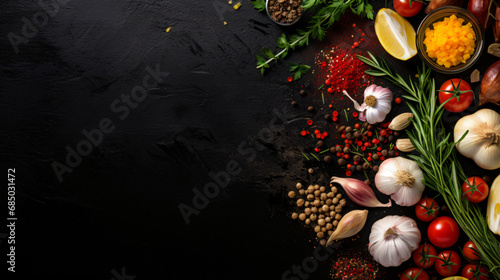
column 475, row 189
column 456, row 88
column 448, row 263
column 414, row 273
column 427, row 209
column 443, row 232
column 470, row 251
column 421, row 256
column 475, row 272
column 405, row 9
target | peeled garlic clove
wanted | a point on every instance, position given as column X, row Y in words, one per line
column 482, row 142
column 405, row 145
column 401, row 122
column 349, row 225
column 359, row 192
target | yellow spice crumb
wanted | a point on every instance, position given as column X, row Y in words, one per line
column 237, row 6
column 168, row 29
column 450, row 41
column 230, row 2
column 225, row 23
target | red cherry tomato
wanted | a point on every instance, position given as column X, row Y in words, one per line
column 470, row 251
column 448, row 263
column 427, row 209
column 422, row 256
column 475, row 272
column 405, row 9
column 454, row 88
column 443, row 232
column 475, row 189
column 414, row 273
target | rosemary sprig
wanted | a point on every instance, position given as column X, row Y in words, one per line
column 438, row 159
column 328, row 12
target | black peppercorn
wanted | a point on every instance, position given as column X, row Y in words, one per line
column 348, row 129
column 294, row 103
column 346, row 150
column 375, row 156
column 392, row 153
column 338, row 149
column 356, row 158
column 328, row 159
column 302, row 92
column 395, row 133
column 320, row 144
column 359, row 167
column 310, row 108
column 384, row 153
column 375, row 168
column 341, row 161
column 366, row 165
column 390, row 138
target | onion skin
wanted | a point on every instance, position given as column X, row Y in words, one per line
column 434, row 4
column 480, row 9
column 490, row 85
column 496, row 25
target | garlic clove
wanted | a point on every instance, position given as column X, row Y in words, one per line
column 401, row 121
column 359, row 192
column 352, row 223
column 405, row 145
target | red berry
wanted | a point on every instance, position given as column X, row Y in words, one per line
column 346, row 156
column 343, row 135
column 335, row 113
column 363, row 148
column 290, row 79
column 398, row 100
column 349, row 166
column 367, row 144
column 369, row 134
column 318, row 135
column 334, row 119
column 309, row 122
column 355, row 114
column 303, row 133
column 323, row 64
column 383, row 132
column 325, row 133
column 338, row 154
column 356, row 126
column 346, row 141
column 369, row 159
column 382, row 158
column 327, row 82
column 360, row 143
column 356, row 44
column 348, row 173
column 330, row 90
column 316, row 131
column 353, row 25
column 379, row 149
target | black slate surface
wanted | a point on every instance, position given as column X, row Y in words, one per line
column 115, row 212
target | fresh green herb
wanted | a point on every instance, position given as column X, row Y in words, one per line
column 346, row 118
column 304, row 155
column 328, row 12
column 297, row 69
column 315, row 156
column 323, row 96
column 260, row 5
column 437, row 157
column 366, row 176
column 321, row 86
column 322, row 152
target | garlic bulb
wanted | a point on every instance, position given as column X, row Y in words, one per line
column 393, row 239
column 352, row 223
column 493, row 207
column 402, row 179
column 359, row 192
column 482, row 142
column 377, row 104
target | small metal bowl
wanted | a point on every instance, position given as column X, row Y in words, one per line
column 438, row 15
column 281, row 23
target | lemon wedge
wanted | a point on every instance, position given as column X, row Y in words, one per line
column 395, row 34
column 455, row 278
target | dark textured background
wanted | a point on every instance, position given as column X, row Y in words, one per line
column 119, row 207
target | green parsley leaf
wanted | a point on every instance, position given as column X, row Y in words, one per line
column 260, row 5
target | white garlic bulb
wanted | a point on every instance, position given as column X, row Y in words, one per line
column 393, row 239
column 482, row 142
column 376, row 105
column 402, row 179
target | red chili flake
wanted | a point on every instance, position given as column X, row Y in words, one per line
column 389, row 131
column 350, row 141
column 290, row 79
column 327, row 82
column 309, row 122
column 343, row 136
column 382, row 158
column 334, row 119
column 338, row 154
column 360, row 143
column 379, row 148
column 346, row 156
column 348, row 173
column 369, row 134
column 303, row 133
column 374, row 141
column 349, row 166
column 379, row 153
column 395, row 148
column 397, row 100
column 369, row 158
column 369, row 154
column 356, row 44
column 330, row 90
column 318, row 136
column 353, row 25
column 355, row 163
column 330, row 106
column 363, row 34
column 355, row 114
column 363, row 148
column 316, row 131
column 356, row 126
column 323, row 64
column 383, row 132
column 367, row 144
column 348, row 145
column 397, row 154
column 346, row 141
column 325, row 133
column 322, row 137
column 317, row 150
column 335, row 113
